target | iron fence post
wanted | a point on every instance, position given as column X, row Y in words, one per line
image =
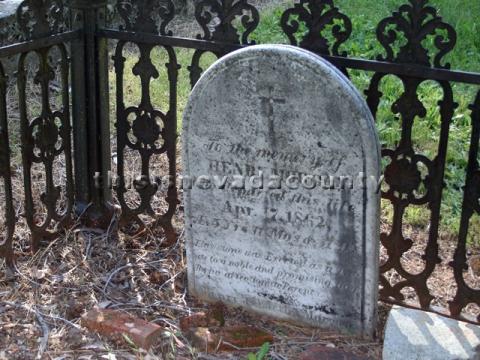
column 91, row 113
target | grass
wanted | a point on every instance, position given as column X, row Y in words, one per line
column 365, row 16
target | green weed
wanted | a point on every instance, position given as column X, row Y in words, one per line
column 261, row 354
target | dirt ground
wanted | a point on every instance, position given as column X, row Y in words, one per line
column 40, row 309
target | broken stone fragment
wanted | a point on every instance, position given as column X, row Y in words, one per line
column 214, row 317
column 228, row 339
column 115, row 324
column 244, row 337
column 202, row 339
column 414, row 334
column 198, row 320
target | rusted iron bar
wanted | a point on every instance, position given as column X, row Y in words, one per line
column 91, row 114
column 32, row 45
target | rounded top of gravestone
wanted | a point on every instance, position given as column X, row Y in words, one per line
column 264, row 70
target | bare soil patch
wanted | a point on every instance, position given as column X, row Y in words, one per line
column 40, row 309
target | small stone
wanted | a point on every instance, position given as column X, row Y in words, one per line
column 203, row 339
column 243, row 337
column 214, row 317
column 198, row 320
column 328, row 353
column 74, row 309
column 115, row 324
column 228, row 339
column 415, row 334
column 217, row 313
column 159, row 277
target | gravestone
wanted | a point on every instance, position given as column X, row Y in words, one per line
column 303, row 245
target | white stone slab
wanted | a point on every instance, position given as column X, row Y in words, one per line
column 304, row 255
column 9, row 7
column 417, row 335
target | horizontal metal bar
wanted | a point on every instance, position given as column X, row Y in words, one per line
column 31, row 45
column 412, row 70
column 422, row 72
column 188, row 43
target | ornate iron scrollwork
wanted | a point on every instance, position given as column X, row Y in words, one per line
column 217, row 19
column 147, row 130
column 6, row 239
column 40, row 18
column 471, row 205
column 416, row 21
column 404, row 178
column 407, row 186
column 318, row 16
column 44, row 139
column 405, row 182
column 148, row 16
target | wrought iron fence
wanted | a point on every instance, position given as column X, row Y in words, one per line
column 79, row 33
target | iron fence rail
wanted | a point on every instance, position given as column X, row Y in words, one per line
column 413, row 70
column 149, row 131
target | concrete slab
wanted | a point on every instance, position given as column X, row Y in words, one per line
column 8, row 7
column 418, row 335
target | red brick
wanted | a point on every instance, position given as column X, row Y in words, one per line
column 325, row 353
column 115, row 324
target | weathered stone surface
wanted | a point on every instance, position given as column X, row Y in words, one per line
column 115, row 324
column 308, row 255
column 8, row 8
column 414, row 334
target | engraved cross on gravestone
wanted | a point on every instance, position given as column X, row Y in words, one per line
column 268, row 101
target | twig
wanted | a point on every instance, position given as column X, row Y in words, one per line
column 41, row 322
column 277, row 356
column 90, row 230
column 220, row 343
column 129, row 265
column 171, row 279
column 113, row 220
column 46, row 332
column 64, row 320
